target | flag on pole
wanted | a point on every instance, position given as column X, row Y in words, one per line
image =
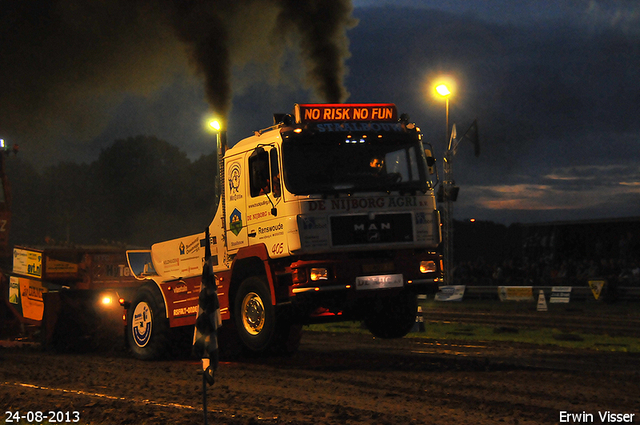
column 208, row 320
column 472, row 136
column 452, row 139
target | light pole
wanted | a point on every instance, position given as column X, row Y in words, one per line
column 447, row 183
column 444, row 91
column 221, row 138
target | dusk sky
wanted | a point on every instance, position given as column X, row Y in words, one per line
column 554, row 85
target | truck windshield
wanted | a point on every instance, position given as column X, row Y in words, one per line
column 325, row 163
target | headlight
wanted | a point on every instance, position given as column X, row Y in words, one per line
column 428, row 267
column 319, row 273
column 299, row 275
column 108, row 300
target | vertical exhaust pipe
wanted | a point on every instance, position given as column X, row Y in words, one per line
column 222, row 148
column 222, row 141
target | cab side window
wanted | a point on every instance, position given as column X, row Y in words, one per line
column 275, row 172
column 265, row 173
column 260, row 182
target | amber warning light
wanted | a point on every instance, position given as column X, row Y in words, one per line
column 314, row 113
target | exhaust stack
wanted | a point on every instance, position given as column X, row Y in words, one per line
column 222, row 148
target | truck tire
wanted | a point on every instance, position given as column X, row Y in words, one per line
column 393, row 317
column 254, row 315
column 147, row 324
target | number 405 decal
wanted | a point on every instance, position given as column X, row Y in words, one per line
column 278, row 248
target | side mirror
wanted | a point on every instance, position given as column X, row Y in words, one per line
column 431, row 161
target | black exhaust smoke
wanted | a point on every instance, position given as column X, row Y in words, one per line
column 319, row 26
column 203, row 27
column 69, row 63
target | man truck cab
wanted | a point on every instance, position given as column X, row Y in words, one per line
column 329, row 214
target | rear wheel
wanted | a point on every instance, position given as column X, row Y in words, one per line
column 147, row 324
column 393, row 317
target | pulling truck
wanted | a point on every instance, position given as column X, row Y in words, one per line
column 65, row 298
column 327, row 215
column 59, row 296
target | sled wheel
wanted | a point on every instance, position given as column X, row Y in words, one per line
column 147, row 324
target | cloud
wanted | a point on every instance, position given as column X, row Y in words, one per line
column 623, row 15
column 555, row 89
column 597, row 14
column 68, row 65
column 555, row 102
column 590, row 175
column 584, row 197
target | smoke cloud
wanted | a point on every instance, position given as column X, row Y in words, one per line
column 66, row 63
column 213, row 33
column 321, row 26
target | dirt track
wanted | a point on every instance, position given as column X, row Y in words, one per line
column 334, row 379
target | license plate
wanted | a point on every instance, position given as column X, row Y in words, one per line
column 379, row 282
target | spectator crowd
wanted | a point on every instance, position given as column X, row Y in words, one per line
column 542, row 262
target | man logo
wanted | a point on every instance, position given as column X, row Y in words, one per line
column 372, row 226
column 373, row 230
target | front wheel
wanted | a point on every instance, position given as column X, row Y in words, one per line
column 147, row 324
column 393, row 317
column 254, row 315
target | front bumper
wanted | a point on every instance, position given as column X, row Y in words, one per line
column 341, row 274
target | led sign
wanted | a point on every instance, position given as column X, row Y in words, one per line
column 338, row 112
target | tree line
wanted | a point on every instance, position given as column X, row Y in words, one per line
column 139, row 191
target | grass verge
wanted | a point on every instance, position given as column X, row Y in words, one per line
column 540, row 336
column 466, row 332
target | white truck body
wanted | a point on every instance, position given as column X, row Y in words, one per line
column 329, row 214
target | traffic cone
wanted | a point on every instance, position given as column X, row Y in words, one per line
column 542, row 301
